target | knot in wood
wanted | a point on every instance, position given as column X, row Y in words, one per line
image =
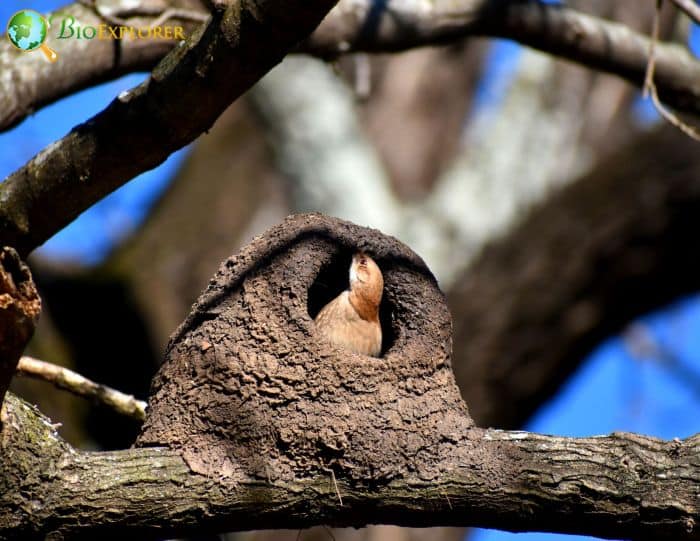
column 249, row 388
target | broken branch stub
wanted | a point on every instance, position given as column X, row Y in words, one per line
column 250, row 389
column 20, row 307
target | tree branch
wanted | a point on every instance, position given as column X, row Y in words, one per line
column 29, row 83
column 690, row 8
column 620, row 486
column 19, row 311
column 367, row 25
column 67, row 170
column 153, row 120
column 66, row 379
column 547, row 302
column 268, row 426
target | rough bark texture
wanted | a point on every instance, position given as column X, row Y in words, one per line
column 305, row 396
column 620, row 486
column 19, row 311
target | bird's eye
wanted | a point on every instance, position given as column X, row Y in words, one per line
column 363, row 261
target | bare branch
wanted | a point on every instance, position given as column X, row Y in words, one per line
column 649, row 88
column 670, row 116
column 66, row 379
column 162, row 14
column 365, row 25
column 28, row 83
column 690, row 8
column 19, row 311
column 651, row 64
column 142, row 127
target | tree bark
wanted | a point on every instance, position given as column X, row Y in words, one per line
column 268, row 426
column 216, row 65
column 620, row 486
column 19, row 311
column 360, row 25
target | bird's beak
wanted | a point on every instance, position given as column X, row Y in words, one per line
column 355, row 258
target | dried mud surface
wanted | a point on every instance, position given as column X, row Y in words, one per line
column 249, row 389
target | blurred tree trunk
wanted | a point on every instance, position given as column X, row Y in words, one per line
column 415, row 111
column 612, row 246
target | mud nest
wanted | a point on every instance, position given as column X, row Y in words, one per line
column 249, row 388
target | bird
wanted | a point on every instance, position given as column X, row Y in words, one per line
column 351, row 320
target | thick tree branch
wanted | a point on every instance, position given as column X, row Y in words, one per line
column 19, row 311
column 27, row 82
column 591, row 41
column 68, row 170
column 367, row 25
column 142, row 127
column 620, row 486
column 268, row 426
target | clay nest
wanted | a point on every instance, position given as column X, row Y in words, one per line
column 249, row 388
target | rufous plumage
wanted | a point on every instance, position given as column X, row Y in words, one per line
column 351, row 320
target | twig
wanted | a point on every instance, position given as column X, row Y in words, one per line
column 335, row 484
column 649, row 89
column 66, row 379
column 651, row 64
column 642, row 344
column 670, row 116
column 690, row 8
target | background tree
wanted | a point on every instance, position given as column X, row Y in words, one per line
column 416, row 169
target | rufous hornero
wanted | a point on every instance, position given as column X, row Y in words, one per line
column 351, row 320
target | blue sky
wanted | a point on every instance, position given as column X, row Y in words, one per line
column 612, row 390
column 89, row 238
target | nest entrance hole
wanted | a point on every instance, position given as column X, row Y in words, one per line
column 333, row 279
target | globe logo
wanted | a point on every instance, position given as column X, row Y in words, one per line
column 27, row 30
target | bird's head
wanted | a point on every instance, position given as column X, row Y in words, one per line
column 366, row 279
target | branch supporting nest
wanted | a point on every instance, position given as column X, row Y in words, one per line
column 70, row 381
column 256, row 421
